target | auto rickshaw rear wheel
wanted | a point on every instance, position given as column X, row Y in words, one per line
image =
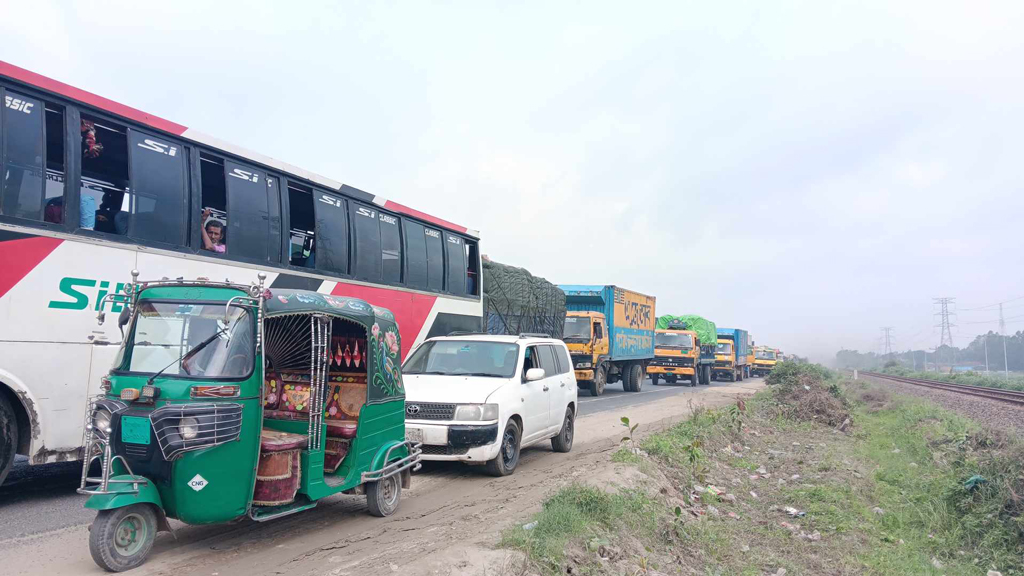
column 383, row 495
column 121, row 539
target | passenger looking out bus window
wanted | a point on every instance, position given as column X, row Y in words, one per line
column 105, row 199
column 213, row 233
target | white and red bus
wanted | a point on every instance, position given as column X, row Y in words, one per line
column 92, row 189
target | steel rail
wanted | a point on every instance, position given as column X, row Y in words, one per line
column 1010, row 396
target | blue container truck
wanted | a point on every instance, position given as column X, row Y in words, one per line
column 610, row 335
column 731, row 355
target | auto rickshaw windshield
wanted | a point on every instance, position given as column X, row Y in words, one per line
column 193, row 339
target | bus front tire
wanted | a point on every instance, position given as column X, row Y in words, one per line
column 122, row 538
column 383, row 495
column 8, row 436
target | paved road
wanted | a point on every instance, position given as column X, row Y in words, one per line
column 39, row 499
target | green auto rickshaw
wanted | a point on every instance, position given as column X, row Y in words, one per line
column 227, row 401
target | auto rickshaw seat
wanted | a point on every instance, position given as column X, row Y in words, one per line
column 278, row 441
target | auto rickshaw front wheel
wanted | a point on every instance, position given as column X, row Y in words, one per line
column 121, row 539
column 383, row 495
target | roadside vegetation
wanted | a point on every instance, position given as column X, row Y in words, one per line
column 971, row 378
column 815, row 475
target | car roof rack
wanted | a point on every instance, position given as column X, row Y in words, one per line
column 466, row 333
column 534, row 335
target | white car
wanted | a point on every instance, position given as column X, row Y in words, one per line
column 481, row 398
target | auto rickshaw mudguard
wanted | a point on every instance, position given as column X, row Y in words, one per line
column 121, row 495
column 125, row 494
column 398, row 452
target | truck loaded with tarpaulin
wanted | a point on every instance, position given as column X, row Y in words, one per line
column 684, row 346
column 517, row 302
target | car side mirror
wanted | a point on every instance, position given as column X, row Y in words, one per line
column 534, row 374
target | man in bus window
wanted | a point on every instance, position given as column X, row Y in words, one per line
column 213, row 234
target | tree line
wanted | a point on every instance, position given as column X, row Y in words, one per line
column 973, row 355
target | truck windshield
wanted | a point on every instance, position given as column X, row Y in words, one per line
column 576, row 327
column 765, row 355
column 464, row 358
column 168, row 335
column 669, row 340
column 724, row 348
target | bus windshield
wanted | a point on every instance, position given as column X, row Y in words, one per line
column 723, row 348
column 577, row 327
column 169, row 335
column 669, row 340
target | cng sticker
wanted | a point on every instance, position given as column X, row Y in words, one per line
column 197, row 483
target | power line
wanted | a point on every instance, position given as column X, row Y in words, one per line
column 990, row 306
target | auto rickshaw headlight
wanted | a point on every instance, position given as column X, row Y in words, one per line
column 189, row 428
column 101, row 420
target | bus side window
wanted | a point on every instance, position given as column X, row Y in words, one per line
column 435, row 259
column 331, row 233
column 158, row 182
column 301, row 226
column 32, row 186
column 472, row 269
column 456, row 264
column 390, row 248
column 415, row 255
column 366, row 243
column 213, row 212
column 105, row 202
column 249, row 211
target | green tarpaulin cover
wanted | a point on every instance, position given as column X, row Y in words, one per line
column 516, row 301
column 705, row 329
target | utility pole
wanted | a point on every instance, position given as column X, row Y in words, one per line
column 887, row 338
column 946, row 337
column 986, row 353
column 1002, row 330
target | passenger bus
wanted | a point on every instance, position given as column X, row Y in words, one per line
column 92, row 189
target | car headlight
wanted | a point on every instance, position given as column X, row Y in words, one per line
column 101, row 420
column 476, row 412
column 584, row 365
column 189, row 428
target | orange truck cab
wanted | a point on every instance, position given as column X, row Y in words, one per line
column 675, row 356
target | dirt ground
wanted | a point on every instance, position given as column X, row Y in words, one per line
column 447, row 522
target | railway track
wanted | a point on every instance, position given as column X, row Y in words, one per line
column 1009, row 396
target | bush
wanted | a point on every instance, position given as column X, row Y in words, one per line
column 808, row 392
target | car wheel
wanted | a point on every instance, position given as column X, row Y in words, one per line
column 508, row 455
column 563, row 442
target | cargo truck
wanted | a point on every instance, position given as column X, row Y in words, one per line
column 731, row 354
column 684, row 348
column 764, row 360
column 610, row 335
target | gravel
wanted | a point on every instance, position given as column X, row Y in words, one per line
column 989, row 413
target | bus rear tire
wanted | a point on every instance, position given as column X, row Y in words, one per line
column 8, row 436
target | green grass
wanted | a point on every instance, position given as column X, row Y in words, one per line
column 971, row 378
column 579, row 511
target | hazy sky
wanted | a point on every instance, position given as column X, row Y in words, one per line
column 810, row 171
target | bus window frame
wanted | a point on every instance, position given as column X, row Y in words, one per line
column 68, row 156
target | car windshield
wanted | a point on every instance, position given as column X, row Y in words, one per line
column 724, row 348
column 576, row 327
column 765, row 355
column 670, row 340
column 169, row 335
column 464, row 358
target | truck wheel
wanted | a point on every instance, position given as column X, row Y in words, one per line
column 654, row 379
column 122, row 538
column 563, row 442
column 636, row 374
column 508, row 455
column 597, row 384
column 707, row 375
column 8, row 437
column 383, row 495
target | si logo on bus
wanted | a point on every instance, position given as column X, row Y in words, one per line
column 83, row 293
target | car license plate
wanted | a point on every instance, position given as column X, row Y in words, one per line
column 135, row 430
column 414, row 434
